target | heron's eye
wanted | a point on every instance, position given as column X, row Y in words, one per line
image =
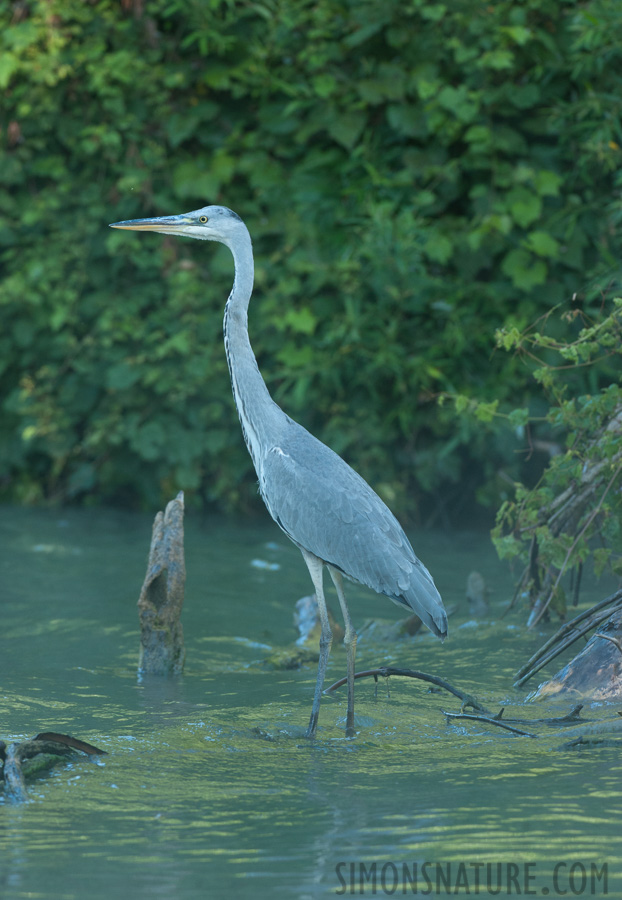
column 202, row 219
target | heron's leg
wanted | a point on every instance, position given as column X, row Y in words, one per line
column 316, row 567
column 350, row 645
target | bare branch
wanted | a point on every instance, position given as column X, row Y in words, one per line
column 489, row 720
column 387, row 671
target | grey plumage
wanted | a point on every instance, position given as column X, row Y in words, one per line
column 323, row 505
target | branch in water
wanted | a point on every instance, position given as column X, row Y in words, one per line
column 483, row 715
column 490, row 720
column 387, row 671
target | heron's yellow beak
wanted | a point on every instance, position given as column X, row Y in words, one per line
column 170, row 224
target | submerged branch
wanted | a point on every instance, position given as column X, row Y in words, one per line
column 388, row 671
column 571, row 720
column 489, row 720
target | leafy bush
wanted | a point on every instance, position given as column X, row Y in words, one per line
column 574, row 513
column 415, row 175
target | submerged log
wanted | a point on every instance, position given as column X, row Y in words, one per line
column 25, row 759
column 307, row 621
column 388, row 632
column 306, row 649
column 596, row 672
column 161, row 599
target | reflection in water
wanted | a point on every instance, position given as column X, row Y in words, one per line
column 210, row 789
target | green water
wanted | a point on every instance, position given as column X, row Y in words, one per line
column 210, row 789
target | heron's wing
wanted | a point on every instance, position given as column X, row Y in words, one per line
column 327, row 508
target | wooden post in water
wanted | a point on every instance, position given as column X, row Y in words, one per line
column 162, row 596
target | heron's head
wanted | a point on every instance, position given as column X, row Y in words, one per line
column 211, row 223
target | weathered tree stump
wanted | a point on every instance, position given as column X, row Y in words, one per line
column 596, row 672
column 162, row 596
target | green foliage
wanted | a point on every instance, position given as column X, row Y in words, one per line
column 575, row 510
column 415, row 175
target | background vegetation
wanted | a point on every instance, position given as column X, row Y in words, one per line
column 415, row 175
column 574, row 512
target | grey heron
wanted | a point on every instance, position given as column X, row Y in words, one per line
column 322, row 505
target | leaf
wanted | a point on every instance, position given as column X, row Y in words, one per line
column 485, row 412
column 542, row 244
column 407, row 119
column 460, row 101
column 508, row 337
column 524, row 271
column 192, row 179
column 438, row 248
column 548, row 183
column 525, row 96
column 9, row 64
column 296, row 357
column 346, row 127
column 462, row 403
column 148, row 440
column 517, row 33
column 301, row 320
column 479, row 134
column 363, row 33
column 324, row 85
column 121, row 376
column 507, row 547
column 518, row 418
column 433, row 11
column 496, row 59
column 525, row 207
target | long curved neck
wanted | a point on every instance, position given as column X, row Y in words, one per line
column 259, row 414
